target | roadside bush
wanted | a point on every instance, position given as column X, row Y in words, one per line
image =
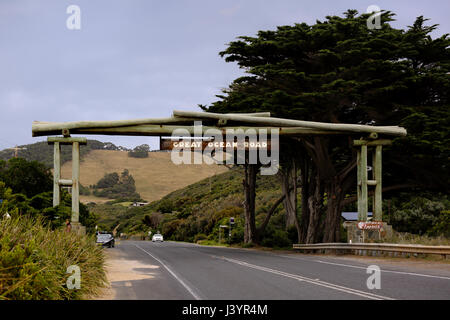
column 419, row 215
column 275, row 237
column 200, row 236
column 166, row 205
column 442, row 225
column 34, row 260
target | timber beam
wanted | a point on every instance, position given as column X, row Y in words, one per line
column 61, row 140
column 279, row 122
column 167, row 130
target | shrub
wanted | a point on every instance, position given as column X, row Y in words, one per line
column 277, row 239
column 114, row 187
column 200, row 236
column 140, row 151
column 34, row 260
column 442, row 225
column 166, row 205
column 418, row 215
column 109, row 180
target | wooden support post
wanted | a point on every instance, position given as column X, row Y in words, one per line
column 56, row 173
column 373, row 182
column 75, row 182
column 358, row 181
column 363, row 208
column 363, row 182
column 377, row 209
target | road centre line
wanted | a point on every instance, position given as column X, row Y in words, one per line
column 309, row 280
column 391, row 271
column 365, row 268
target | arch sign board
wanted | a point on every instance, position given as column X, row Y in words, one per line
column 171, row 144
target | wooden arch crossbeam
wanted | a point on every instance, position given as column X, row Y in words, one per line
column 257, row 121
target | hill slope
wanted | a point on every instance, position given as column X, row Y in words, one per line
column 43, row 152
column 198, row 209
column 155, row 176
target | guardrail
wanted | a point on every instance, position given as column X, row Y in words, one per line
column 374, row 248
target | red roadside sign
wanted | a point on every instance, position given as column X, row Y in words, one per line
column 370, row 225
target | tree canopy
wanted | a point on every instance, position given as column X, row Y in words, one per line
column 27, row 177
column 339, row 71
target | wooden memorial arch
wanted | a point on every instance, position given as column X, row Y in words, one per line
column 370, row 138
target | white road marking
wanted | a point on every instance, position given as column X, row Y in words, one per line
column 309, row 280
column 391, row 271
column 191, row 291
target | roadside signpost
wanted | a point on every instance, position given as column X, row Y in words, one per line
column 231, row 223
column 222, row 226
column 375, row 225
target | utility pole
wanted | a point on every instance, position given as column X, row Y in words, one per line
column 16, row 150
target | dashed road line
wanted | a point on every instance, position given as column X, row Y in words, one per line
column 309, row 280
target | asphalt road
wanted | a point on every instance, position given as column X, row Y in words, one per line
column 173, row 270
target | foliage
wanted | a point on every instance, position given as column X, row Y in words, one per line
column 27, row 177
column 200, row 236
column 140, row 151
column 114, row 186
column 85, row 191
column 34, row 260
column 108, row 181
column 339, row 71
column 191, row 213
column 421, row 215
column 442, row 225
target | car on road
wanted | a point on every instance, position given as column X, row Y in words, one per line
column 157, row 237
column 105, row 239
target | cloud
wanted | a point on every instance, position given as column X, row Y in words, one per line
column 138, row 59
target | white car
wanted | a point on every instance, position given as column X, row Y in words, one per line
column 157, row 237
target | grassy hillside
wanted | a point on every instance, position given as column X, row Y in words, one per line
column 155, row 176
column 196, row 211
column 43, row 152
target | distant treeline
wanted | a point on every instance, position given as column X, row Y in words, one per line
column 43, row 152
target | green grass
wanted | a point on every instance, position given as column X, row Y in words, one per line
column 408, row 238
column 34, row 260
column 212, row 243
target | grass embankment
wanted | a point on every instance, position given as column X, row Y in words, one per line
column 408, row 238
column 155, row 176
column 34, row 260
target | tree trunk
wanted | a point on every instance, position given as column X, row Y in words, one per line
column 289, row 190
column 333, row 212
column 288, row 186
column 250, row 235
column 315, row 200
column 305, row 176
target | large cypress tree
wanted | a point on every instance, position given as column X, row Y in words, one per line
column 340, row 71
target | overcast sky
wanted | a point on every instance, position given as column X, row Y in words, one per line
column 140, row 58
